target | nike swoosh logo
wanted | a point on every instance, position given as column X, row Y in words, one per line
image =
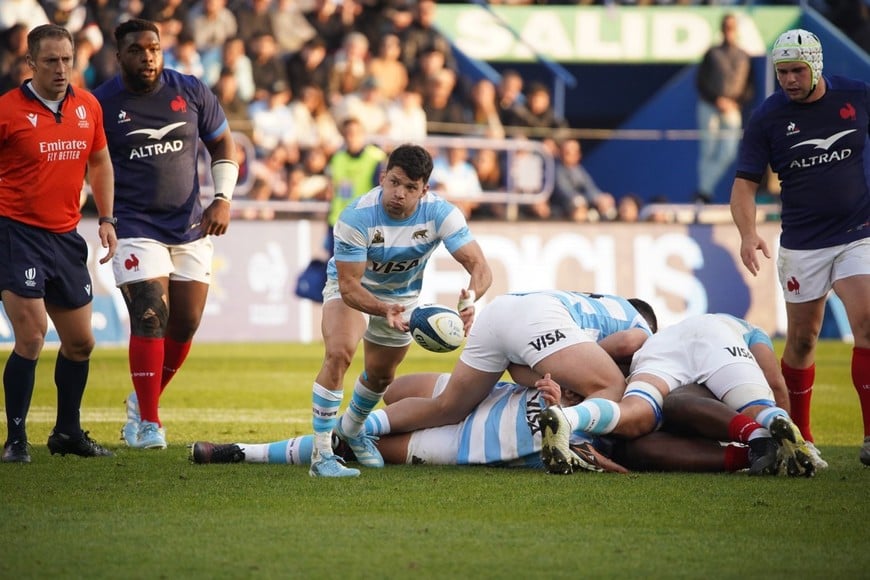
column 157, row 134
column 824, row 143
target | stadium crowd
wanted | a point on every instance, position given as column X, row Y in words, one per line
column 289, row 73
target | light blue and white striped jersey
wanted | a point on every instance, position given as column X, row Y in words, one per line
column 396, row 251
column 751, row 333
column 599, row 314
column 503, row 429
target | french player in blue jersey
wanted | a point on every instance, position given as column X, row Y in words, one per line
column 383, row 241
column 574, row 337
column 156, row 122
column 813, row 132
column 731, row 357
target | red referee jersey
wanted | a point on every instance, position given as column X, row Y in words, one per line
column 43, row 156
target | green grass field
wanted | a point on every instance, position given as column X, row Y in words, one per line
column 152, row 514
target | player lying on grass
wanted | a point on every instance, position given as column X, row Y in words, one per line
column 717, row 350
column 576, row 337
column 503, row 431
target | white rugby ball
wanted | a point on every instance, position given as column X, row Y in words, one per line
column 436, row 328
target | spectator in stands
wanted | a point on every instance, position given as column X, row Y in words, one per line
column 406, row 117
column 254, row 18
column 540, row 119
column 18, row 73
column 290, row 27
column 455, row 179
column 575, row 193
column 235, row 60
column 271, row 121
column 308, row 180
column 525, row 174
column 309, row 66
column 488, row 166
column 88, row 43
column 13, row 46
column 183, row 57
column 366, row 105
column 655, row 214
column 170, row 14
column 628, row 208
column 71, row 14
column 235, row 108
column 429, row 65
column 396, row 17
column 26, row 12
column 267, row 67
column 331, row 21
column 387, row 67
column 724, row 84
column 132, row 9
column 350, row 66
column 510, row 99
column 211, row 23
column 444, row 112
column 102, row 64
column 484, row 110
column 271, row 181
column 315, row 125
column 353, row 171
column 422, row 36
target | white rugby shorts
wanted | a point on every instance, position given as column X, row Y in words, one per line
column 705, row 349
column 522, row 329
column 806, row 275
column 378, row 331
column 138, row 259
column 436, row 445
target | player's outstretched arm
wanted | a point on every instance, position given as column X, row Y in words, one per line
column 769, row 363
column 743, row 211
column 472, row 259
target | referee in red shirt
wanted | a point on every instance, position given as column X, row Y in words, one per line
column 50, row 134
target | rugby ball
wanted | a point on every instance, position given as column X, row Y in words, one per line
column 436, row 328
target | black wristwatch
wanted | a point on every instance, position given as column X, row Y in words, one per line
column 108, row 220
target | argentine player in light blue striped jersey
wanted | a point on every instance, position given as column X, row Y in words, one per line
column 734, row 359
column 382, row 243
column 573, row 337
column 503, row 431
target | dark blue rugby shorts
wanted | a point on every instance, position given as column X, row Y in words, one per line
column 35, row 263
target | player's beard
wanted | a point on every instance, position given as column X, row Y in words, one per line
column 137, row 83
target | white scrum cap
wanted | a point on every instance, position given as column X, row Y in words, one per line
column 799, row 45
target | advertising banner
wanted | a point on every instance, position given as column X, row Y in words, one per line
column 605, row 34
column 679, row 269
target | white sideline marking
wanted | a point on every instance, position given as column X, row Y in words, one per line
column 118, row 415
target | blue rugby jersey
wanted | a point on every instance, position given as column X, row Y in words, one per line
column 821, row 153
column 154, row 141
column 396, row 251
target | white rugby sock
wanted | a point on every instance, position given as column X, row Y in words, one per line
column 325, row 405
column 378, row 423
column 361, row 404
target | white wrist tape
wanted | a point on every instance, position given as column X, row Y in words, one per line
column 466, row 302
column 224, row 174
